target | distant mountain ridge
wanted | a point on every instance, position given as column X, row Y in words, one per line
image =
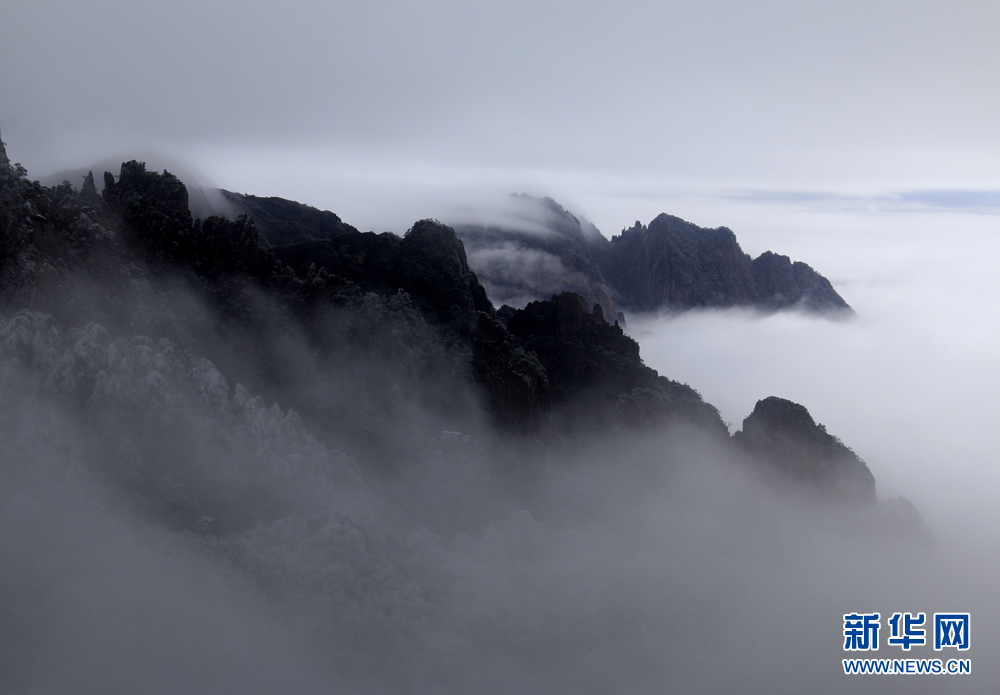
column 675, row 265
column 668, row 265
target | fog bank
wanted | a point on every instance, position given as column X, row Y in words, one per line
column 908, row 383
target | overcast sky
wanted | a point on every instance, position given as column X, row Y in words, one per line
column 578, row 99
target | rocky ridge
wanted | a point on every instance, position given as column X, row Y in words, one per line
column 414, row 300
column 281, row 222
column 668, row 265
column 782, row 438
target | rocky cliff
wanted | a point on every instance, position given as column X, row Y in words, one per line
column 674, row 265
column 281, row 222
column 412, row 305
column 594, row 368
column 780, row 284
column 782, row 438
column 668, row 265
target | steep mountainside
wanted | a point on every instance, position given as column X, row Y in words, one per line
column 138, row 239
column 782, row 438
column 593, row 364
column 281, row 222
column 412, row 306
column 673, row 264
column 670, row 265
column 781, row 283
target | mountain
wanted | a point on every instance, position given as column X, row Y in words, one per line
column 331, row 464
column 782, row 438
column 780, row 284
column 280, row 222
column 668, row 265
column 673, row 264
column 413, row 305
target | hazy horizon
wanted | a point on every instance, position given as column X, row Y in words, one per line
column 391, row 111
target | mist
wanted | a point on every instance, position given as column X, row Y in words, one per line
column 736, row 95
column 907, row 382
column 167, row 528
column 194, row 503
column 633, row 563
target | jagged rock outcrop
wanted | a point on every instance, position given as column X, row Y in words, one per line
column 433, row 267
column 781, row 284
column 88, row 191
column 580, row 350
column 552, row 356
column 428, row 263
column 515, row 383
column 594, row 370
column 155, row 218
column 413, row 301
column 411, row 306
column 153, row 209
column 281, row 222
column 673, row 264
column 782, row 438
column 670, row 265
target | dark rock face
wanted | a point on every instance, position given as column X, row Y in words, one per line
column 428, row 263
column 153, row 208
column 673, row 264
column 669, row 265
column 281, row 222
column 413, row 301
column 676, row 265
column 594, row 367
column 515, row 382
column 781, row 284
column 782, row 438
column 433, row 267
column 580, row 351
column 88, row 191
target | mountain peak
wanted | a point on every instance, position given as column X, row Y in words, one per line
column 782, row 436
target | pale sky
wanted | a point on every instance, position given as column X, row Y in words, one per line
column 393, row 103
